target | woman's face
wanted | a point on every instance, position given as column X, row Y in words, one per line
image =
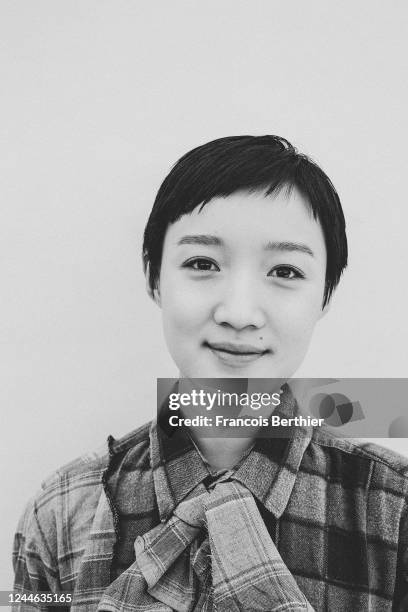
column 241, row 286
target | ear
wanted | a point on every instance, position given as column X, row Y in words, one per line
column 153, row 293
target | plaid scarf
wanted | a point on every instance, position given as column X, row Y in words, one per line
column 214, row 553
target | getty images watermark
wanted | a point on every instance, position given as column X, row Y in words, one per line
column 255, row 401
column 354, row 408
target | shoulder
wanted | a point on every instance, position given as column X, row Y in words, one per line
column 54, row 528
column 77, row 485
column 364, row 462
column 88, row 467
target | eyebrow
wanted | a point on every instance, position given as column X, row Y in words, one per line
column 210, row 240
column 289, row 246
column 204, row 239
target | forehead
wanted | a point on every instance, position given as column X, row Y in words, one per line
column 250, row 220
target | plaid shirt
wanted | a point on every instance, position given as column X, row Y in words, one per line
column 335, row 510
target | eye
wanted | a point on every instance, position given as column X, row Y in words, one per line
column 201, row 264
column 286, row 273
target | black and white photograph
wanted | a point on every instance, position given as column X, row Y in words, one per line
column 204, row 314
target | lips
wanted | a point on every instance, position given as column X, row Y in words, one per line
column 235, row 355
column 236, row 349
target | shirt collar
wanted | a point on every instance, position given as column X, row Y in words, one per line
column 269, row 470
column 177, row 467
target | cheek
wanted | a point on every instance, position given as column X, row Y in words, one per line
column 183, row 311
column 296, row 322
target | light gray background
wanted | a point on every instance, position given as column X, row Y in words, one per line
column 98, row 99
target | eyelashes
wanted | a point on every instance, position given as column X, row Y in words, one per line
column 283, row 271
column 201, row 264
column 286, row 272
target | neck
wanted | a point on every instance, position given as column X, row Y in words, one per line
column 222, row 452
column 225, row 452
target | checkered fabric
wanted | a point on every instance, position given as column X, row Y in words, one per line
column 335, row 510
column 236, row 567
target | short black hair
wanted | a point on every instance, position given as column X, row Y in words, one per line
column 226, row 165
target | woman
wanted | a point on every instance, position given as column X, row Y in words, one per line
column 243, row 249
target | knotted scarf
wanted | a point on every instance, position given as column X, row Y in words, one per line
column 213, row 553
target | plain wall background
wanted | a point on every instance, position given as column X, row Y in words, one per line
column 98, row 99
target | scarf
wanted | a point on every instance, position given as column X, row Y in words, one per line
column 213, row 554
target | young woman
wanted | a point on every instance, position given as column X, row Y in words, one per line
column 243, row 249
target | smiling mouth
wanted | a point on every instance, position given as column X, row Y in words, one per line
column 235, row 354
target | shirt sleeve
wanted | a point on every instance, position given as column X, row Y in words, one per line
column 400, row 603
column 35, row 568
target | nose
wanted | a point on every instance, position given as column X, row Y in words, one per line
column 240, row 305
